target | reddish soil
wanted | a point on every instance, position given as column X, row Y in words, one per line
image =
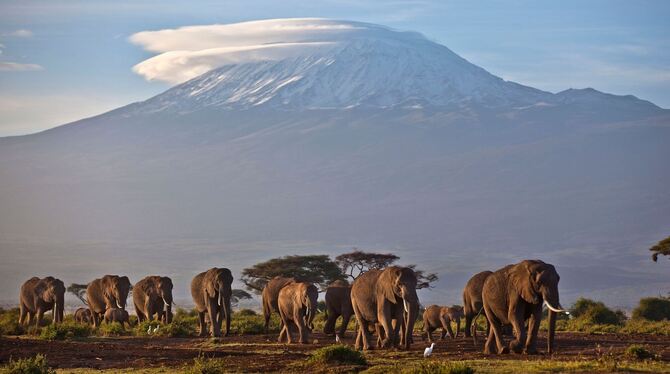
column 260, row 353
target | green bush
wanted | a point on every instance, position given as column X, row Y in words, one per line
column 434, row 367
column 65, row 330
column 638, row 352
column 643, row 326
column 180, row 328
column 338, row 354
column 31, row 365
column 202, row 365
column 112, row 329
column 596, row 312
column 247, row 325
column 181, row 312
column 246, row 312
column 9, row 322
column 653, row 309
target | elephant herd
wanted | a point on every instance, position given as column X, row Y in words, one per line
column 383, row 301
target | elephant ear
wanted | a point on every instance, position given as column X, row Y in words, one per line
column 386, row 283
column 522, row 277
column 124, row 280
column 210, row 282
column 146, row 286
column 107, row 284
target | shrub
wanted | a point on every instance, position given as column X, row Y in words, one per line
column 202, row 365
column 179, row 329
column 638, row 352
column 596, row 312
column 31, row 365
column 9, row 322
column 142, row 328
column 245, row 325
column 246, row 312
column 643, row 326
column 66, row 330
column 112, row 329
column 653, row 309
column 338, row 354
column 434, row 367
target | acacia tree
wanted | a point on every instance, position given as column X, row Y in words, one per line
column 239, row 295
column 357, row 262
column 317, row 269
column 78, row 290
column 661, row 248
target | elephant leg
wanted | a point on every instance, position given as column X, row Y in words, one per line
column 357, row 344
column 40, row 314
column 365, row 332
column 380, row 334
column 446, row 325
column 429, row 333
column 458, row 327
column 140, row 315
column 212, row 310
column 302, row 328
column 519, row 330
column 329, row 327
column 384, row 318
column 533, row 327
column 468, row 324
column 490, row 345
column 345, row 323
column 495, row 332
column 23, row 314
column 203, row 326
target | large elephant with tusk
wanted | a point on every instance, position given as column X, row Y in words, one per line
column 515, row 294
column 110, row 291
column 382, row 296
column 211, row 291
column 39, row 296
column 153, row 296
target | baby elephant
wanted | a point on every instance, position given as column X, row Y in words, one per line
column 437, row 316
column 83, row 315
column 117, row 315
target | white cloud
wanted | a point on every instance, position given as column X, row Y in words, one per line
column 16, row 66
column 187, row 52
column 21, row 33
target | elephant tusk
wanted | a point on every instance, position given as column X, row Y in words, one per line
column 404, row 303
column 555, row 310
column 165, row 302
column 119, row 305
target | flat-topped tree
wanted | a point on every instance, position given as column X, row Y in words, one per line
column 661, row 248
column 357, row 262
column 317, row 269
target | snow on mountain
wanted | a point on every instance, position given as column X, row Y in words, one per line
column 371, row 65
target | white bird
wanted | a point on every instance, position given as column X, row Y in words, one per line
column 337, row 339
column 428, row 351
column 149, row 330
column 156, row 329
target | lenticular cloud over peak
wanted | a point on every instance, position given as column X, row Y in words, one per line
column 190, row 51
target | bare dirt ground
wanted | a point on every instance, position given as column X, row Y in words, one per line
column 261, row 353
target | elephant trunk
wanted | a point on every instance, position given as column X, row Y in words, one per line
column 411, row 305
column 551, row 332
column 59, row 306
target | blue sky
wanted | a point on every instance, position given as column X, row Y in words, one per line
column 62, row 61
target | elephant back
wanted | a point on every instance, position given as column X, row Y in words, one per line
column 271, row 291
column 363, row 294
column 28, row 293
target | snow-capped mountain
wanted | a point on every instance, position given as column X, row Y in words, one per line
column 313, row 136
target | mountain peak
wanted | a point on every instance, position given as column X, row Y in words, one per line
column 356, row 65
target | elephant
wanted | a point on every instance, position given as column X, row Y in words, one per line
column 110, row 291
column 472, row 303
column 117, row 315
column 515, row 294
column 436, row 316
column 41, row 295
column 270, row 295
column 211, row 291
column 338, row 303
column 376, row 296
column 153, row 296
column 297, row 303
column 83, row 315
